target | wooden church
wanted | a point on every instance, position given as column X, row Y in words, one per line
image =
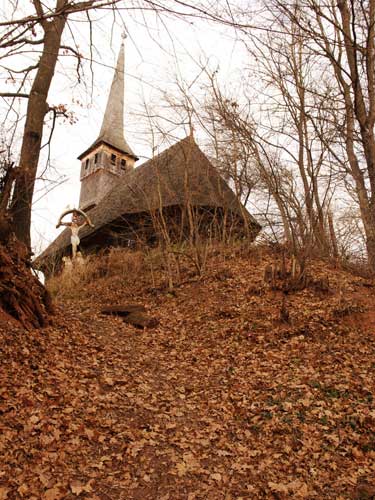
column 178, row 192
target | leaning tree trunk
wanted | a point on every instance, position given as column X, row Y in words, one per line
column 33, row 132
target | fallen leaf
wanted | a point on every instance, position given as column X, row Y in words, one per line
column 109, row 381
column 303, row 492
column 53, row 494
column 77, row 487
column 278, row 487
column 34, row 419
column 286, row 406
column 216, row 476
column 45, row 479
column 3, row 493
column 23, row 489
column 89, row 433
column 181, row 469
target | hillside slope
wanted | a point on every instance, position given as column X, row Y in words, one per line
column 226, row 398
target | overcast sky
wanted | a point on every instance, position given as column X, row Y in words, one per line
column 156, row 50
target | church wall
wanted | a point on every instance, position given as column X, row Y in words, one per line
column 95, row 186
column 100, row 171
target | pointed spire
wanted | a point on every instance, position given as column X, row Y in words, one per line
column 112, row 130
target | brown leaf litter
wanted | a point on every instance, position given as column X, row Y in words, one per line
column 220, row 400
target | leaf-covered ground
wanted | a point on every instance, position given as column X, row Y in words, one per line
column 221, row 400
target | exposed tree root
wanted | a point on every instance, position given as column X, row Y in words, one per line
column 22, row 295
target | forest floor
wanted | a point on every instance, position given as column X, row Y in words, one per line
column 221, row 400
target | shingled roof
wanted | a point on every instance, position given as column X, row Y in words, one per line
column 176, row 176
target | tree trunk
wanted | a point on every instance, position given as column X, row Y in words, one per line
column 368, row 218
column 22, row 295
column 334, row 245
column 33, row 132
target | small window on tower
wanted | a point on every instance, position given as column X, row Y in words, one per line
column 87, row 162
column 96, row 159
column 113, row 159
column 123, row 164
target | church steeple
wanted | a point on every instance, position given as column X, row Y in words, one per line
column 112, row 130
column 109, row 156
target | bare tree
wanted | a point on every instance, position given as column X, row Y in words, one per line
column 343, row 35
column 268, row 165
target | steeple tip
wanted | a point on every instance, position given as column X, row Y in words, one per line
column 112, row 129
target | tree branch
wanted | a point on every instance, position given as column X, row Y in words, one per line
column 24, row 70
column 14, row 94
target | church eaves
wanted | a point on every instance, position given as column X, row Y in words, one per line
column 112, row 129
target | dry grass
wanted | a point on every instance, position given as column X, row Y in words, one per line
column 163, row 267
column 153, row 266
column 119, row 263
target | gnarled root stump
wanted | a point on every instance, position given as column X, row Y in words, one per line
column 22, row 295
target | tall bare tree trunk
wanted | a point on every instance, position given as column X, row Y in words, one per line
column 33, row 132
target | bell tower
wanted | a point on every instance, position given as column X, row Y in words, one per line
column 110, row 156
